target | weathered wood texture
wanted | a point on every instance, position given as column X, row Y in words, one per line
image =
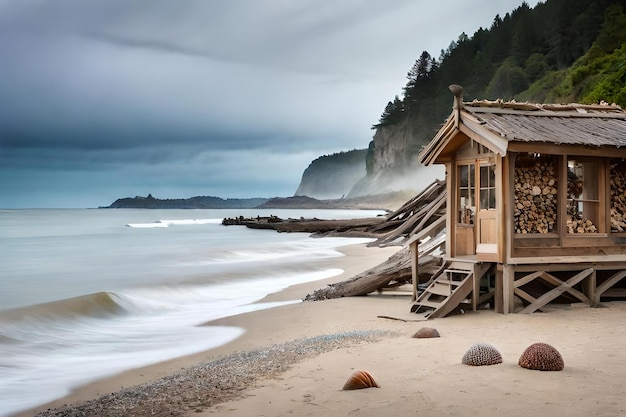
column 618, row 196
column 394, row 271
column 535, row 198
column 353, row 227
column 420, row 215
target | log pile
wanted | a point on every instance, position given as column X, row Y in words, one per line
column 580, row 225
column 420, row 218
column 423, row 215
column 618, row 196
column 346, row 227
column 395, row 271
column 535, row 204
column 575, row 221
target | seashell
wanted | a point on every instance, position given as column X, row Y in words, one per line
column 481, row 354
column 426, row 333
column 541, row 357
column 360, row 380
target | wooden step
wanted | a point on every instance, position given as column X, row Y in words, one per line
column 440, row 288
column 423, row 313
column 457, row 271
column 461, row 266
column 431, row 304
column 444, row 280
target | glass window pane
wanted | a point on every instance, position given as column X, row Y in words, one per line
column 582, row 196
column 484, row 199
column 484, row 176
column 463, row 180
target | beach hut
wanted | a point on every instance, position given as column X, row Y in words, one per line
column 536, row 206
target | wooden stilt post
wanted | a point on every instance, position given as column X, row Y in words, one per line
column 476, row 291
column 508, row 284
column 497, row 297
column 505, row 282
column 589, row 289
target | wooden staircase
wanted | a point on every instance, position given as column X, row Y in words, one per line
column 450, row 287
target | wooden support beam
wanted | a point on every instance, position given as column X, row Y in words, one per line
column 476, row 290
column 589, row 288
column 560, row 289
column 498, row 295
column 504, row 291
column 508, row 287
column 528, row 278
column 602, row 288
column 525, row 296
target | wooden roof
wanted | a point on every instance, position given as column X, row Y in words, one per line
column 495, row 124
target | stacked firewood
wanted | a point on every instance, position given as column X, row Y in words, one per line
column 535, row 205
column 575, row 221
column 618, row 197
column 580, row 225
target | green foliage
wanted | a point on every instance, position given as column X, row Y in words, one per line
column 612, row 86
column 394, row 113
column 540, row 89
column 613, row 30
column 508, row 80
column 535, row 66
column 598, row 75
column 558, row 51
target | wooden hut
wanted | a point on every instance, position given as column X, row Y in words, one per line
column 536, row 206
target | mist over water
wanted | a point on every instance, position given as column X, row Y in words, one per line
column 89, row 293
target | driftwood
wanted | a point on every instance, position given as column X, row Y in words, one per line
column 351, row 227
column 394, row 271
column 424, row 212
column 414, row 216
column 421, row 218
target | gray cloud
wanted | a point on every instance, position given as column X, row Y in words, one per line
column 196, row 97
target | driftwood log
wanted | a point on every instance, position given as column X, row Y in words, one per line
column 347, row 227
column 422, row 217
column 422, row 214
column 395, row 271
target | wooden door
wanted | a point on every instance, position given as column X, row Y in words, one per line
column 486, row 215
column 464, row 223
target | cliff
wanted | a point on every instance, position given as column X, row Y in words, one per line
column 332, row 176
column 392, row 159
column 388, row 166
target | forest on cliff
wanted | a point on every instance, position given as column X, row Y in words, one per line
column 560, row 51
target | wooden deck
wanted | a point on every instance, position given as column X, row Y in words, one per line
column 613, row 260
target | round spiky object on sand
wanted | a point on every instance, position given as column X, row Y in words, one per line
column 481, row 354
column 426, row 333
column 541, row 357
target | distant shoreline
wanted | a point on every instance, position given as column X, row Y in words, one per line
column 386, row 201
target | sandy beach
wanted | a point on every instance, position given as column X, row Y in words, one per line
column 422, row 376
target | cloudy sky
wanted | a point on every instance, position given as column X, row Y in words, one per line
column 101, row 99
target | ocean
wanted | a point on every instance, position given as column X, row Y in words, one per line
column 88, row 293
